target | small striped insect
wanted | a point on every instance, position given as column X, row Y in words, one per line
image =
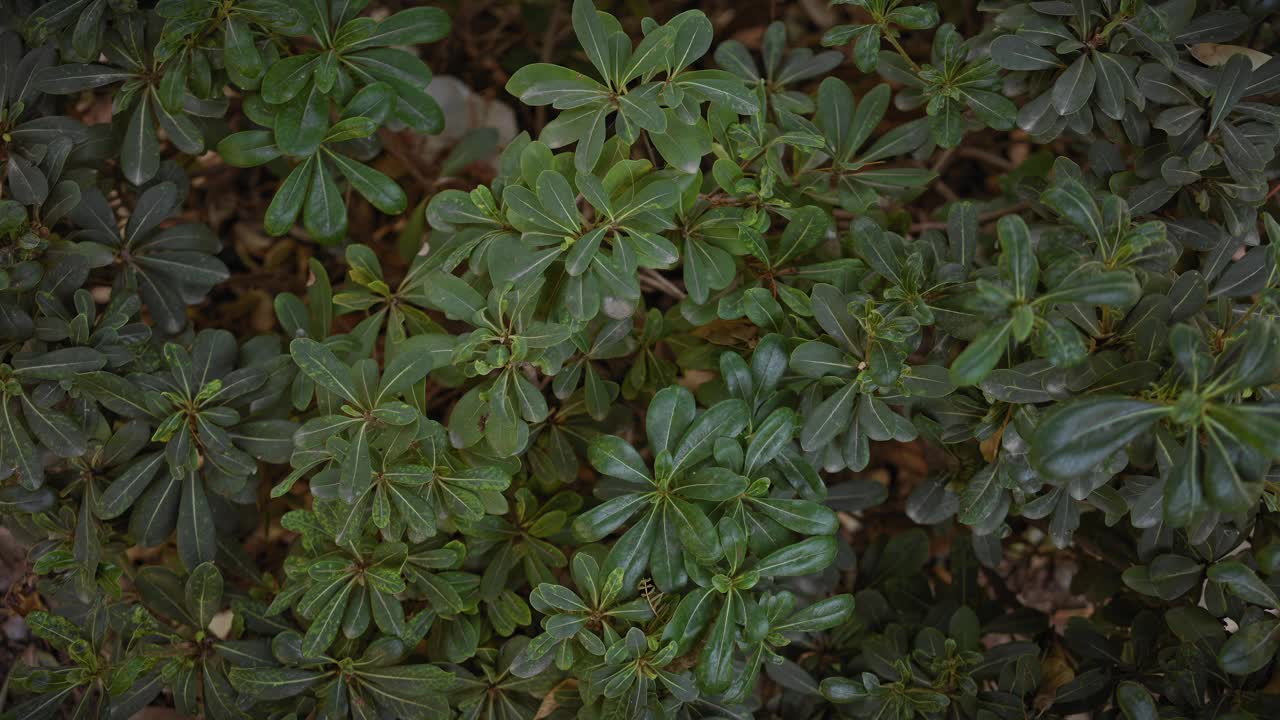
column 659, row 603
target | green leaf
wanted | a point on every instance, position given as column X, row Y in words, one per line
column 1017, row 259
column 981, row 498
column 413, row 359
column 155, row 513
column 53, row 629
column 239, row 53
column 695, row 531
column 653, row 52
column 817, row 359
column 803, row 558
column 928, row 381
column 19, row 450
column 719, row 88
column 350, row 128
column 302, row 123
column 821, row 615
column 324, row 213
column 1246, row 276
column 694, row 33
column 55, row 431
column 1184, row 491
column 614, row 457
column 608, row 516
column 918, row 17
column 454, row 296
column 544, row 84
column 715, row 664
column 829, row 418
column 842, row 690
column 204, row 594
column 408, row 75
column 1074, row 87
column 1013, row 52
column 548, row 596
column 670, row 413
column 388, row 613
column 62, row 364
column 807, row 227
column 381, row 191
column 981, row 355
column 322, row 366
column 1251, row 648
column 283, row 211
column 682, row 145
column 249, row 148
column 1075, row 438
column 413, row 26
column 324, row 628
column 197, row 538
column 27, row 184
column 1232, row 83
column 557, row 199
column 962, row 232
column 71, row 78
column 630, row 553
column 273, row 683
column 1075, row 203
column 769, row 438
column 129, row 485
column 410, row 681
column 374, row 103
column 714, row 484
column 1136, row 702
column 287, row 77
column 1116, row 288
column 947, row 124
column 1113, row 84
column 726, row 418
column 354, row 476
column 802, row 516
column 1244, row 583
column 643, row 111
column 997, row 111
column 140, row 151
column 1174, row 575
column 592, row 37
column 1227, row 482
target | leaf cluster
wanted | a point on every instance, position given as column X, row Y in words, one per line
column 606, row 442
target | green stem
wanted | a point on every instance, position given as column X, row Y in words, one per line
column 897, row 46
column 1240, row 320
column 1110, row 27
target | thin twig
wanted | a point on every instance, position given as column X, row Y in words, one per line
column 943, row 161
column 985, row 156
column 896, row 46
column 658, row 282
column 945, row 190
column 1271, row 194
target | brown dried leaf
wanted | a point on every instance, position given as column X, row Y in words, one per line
column 1216, row 54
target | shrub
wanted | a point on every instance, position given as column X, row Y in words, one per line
column 601, row 443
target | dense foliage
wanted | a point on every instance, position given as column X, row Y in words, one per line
column 598, row 445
